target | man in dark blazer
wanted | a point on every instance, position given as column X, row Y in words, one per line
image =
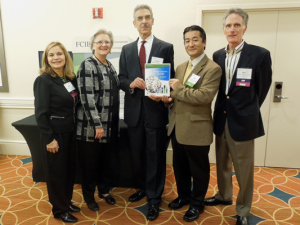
column 191, row 128
column 246, row 79
column 146, row 117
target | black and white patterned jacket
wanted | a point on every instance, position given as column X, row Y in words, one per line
column 95, row 87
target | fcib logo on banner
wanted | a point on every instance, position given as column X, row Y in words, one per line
column 82, row 45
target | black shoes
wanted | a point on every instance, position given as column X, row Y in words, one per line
column 93, row 206
column 137, row 196
column 109, row 199
column 66, row 217
column 213, row 202
column 153, row 212
column 177, row 203
column 242, row 220
column 74, row 208
column 192, row 214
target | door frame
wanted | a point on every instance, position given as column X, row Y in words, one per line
column 201, row 9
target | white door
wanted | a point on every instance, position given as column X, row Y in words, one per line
column 283, row 142
column 270, row 29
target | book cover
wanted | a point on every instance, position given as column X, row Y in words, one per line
column 157, row 78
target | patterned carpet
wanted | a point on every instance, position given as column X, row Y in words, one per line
column 22, row 201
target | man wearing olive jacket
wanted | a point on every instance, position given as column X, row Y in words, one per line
column 191, row 129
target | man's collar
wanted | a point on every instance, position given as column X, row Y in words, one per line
column 197, row 60
column 148, row 39
column 237, row 49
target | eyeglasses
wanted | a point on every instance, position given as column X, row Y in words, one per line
column 102, row 42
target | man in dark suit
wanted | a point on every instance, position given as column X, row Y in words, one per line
column 191, row 129
column 146, row 117
column 246, row 79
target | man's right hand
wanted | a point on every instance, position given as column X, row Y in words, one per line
column 138, row 83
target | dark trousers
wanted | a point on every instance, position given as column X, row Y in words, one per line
column 192, row 171
column 95, row 165
column 60, row 172
column 148, row 147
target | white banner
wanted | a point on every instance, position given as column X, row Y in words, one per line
column 82, row 44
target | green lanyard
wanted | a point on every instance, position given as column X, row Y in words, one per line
column 63, row 79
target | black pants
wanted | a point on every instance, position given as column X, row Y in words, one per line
column 189, row 162
column 95, row 161
column 148, row 147
column 60, row 172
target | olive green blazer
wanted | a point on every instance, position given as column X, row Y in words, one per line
column 191, row 112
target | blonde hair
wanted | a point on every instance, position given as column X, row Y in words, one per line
column 102, row 31
column 68, row 68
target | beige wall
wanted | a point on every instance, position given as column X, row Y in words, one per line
column 29, row 25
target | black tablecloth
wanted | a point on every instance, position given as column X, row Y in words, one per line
column 122, row 171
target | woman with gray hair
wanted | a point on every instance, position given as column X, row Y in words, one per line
column 97, row 119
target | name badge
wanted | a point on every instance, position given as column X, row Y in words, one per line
column 71, row 89
column 193, row 80
column 243, row 77
column 156, row 60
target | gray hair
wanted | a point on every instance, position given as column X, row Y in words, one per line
column 138, row 7
column 102, row 31
column 238, row 11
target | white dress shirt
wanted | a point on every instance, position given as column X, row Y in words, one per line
column 148, row 45
column 196, row 60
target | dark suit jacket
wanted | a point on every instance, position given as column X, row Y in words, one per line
column 156, row 112
column 241, row 106
column 54, row 106
column 191, row 112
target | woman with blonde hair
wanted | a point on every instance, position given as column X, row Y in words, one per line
column 56, row 96
column 97, row 119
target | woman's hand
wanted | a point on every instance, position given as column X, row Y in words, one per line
column 99, row 133
column 52, row 146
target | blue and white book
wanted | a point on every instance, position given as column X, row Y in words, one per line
column 157, row 78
